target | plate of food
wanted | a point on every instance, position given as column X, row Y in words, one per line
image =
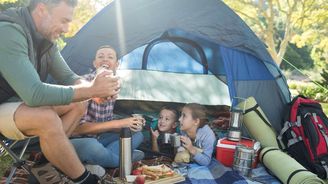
column 159, row 174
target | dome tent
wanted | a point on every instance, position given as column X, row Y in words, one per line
column 216, row 41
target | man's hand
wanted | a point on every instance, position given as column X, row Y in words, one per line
column 106, row 85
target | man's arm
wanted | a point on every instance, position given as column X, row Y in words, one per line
column 19, row 72
column 59, row 70
column 105, row 85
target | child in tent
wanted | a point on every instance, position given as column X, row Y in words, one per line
column 197, row 138
column 167, row 123
column 99, row 142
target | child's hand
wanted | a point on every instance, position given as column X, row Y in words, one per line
column 154, row 134
column 186, row 142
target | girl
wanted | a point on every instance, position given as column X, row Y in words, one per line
column 196, row 136
column 167, row 123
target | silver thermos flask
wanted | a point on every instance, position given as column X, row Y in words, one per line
column 125, row 153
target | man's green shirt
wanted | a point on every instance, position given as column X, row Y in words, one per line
column 16, row 68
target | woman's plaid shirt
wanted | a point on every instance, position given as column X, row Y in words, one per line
column 98, row 112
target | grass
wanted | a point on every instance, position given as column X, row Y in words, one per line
column 5, row 162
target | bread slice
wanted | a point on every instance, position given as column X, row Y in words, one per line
column 157, row 171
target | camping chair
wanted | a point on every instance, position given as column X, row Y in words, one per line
column 6, row 147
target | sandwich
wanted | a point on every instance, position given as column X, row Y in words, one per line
column 157, row 172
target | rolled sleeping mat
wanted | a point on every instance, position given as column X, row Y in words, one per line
column 287, row 169
column 257, row 124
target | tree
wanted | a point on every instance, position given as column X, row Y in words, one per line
column 7, row 1
column 324, row 81
column 84, row 11
column 315, row 34
column 298, row 57
column 279, row 22
column 5, row 4
column 82, row 14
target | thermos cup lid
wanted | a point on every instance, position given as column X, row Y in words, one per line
column 125, row 133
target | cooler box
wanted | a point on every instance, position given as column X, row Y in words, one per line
column 225, row 150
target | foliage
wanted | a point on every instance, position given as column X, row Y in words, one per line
column 5, row 162
column 5, row 4
column 7, row 1
column 82, row 14
column 84, row 11
column 313, row 91
column 292, row 86
column 60, row 43
column 324, row 81
column 279, row 22
column 299, row 57
column 314, row 32
column 325, row 107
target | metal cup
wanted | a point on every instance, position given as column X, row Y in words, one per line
column 175, row 140
column 166, row 138
column 140, row 120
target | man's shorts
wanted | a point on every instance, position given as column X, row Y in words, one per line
column 7, row 123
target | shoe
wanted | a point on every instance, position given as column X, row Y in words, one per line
column 137, row 155
column 96, row 170
column 47, row 174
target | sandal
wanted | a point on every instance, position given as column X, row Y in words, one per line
column 47, row 174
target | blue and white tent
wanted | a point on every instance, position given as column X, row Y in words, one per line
column 182, row 51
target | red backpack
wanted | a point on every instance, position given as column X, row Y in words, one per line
column 305, row 135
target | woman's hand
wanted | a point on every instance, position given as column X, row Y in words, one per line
column 133, row 123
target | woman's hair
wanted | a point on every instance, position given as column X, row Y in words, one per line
column 106, row 46
column 109, row 47
column 51, row 3
column 198, row 112
column 172, row 109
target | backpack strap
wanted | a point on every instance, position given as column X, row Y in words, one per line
column 283, row 130
column 287, row 126
column 294, row 140
column 314, row 115
column 324, row 134
column 325, row 166
column 255, row 109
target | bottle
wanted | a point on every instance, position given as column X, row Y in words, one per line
column 125, row 153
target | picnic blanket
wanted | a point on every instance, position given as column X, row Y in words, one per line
column 196, row 174
column 218, row 173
